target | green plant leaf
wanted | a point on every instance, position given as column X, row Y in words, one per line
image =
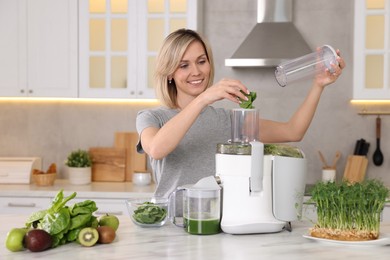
column 350, row 207
column 149, row 213
column 79, row 158
column 248, row 104
column 60, row 220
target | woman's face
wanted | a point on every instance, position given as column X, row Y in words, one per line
column 192, row 75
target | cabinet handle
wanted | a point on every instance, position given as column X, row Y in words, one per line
column 140, row 93
column 22, row 91
column 27, row 205
column 30, row 91
column 118, row 213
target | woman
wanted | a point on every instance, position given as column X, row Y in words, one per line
column 180, row 137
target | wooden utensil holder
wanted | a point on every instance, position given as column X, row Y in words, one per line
column 355, row 170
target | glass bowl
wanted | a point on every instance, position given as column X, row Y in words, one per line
column 148, row 212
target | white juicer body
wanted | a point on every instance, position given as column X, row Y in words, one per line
column 246, row 211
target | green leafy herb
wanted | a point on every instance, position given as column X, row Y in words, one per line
column 79, row 158
column 62, row 222
column 248, row 104
column 350, row 207
column 282, row 150
column 149, row 213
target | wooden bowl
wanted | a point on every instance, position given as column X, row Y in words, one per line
column 44, row 179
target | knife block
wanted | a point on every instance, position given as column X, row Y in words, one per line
column 355, row 170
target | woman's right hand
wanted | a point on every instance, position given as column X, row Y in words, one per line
column 229, row 89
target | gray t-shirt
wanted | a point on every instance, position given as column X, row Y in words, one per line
column 194, row 157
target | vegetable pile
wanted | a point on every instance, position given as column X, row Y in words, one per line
column 64, row 223
column 61, row 224
column 149, row 213
column 348, row 211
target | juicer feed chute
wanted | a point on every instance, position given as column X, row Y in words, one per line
column 245, row 125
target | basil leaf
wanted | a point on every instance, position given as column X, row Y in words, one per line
column 248, row 104
column 149, row 213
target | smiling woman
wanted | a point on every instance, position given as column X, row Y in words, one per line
column 181, row 136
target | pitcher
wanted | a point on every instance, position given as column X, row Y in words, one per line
column 201, row 209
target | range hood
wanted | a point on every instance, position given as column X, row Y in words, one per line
column 274, row 38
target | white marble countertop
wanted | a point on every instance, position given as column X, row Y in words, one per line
column 106, row 190
column 171, row 242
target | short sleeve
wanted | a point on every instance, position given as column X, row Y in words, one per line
column 144, row 120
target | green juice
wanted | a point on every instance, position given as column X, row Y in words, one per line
column 202, row 227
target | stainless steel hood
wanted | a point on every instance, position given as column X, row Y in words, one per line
column 274, row 38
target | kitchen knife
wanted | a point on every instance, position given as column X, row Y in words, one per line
column 358, row 147
column 365, row 149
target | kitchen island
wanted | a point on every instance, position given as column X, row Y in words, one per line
column 171, row 242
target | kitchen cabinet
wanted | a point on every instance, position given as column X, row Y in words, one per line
column 385, row 216
column 110, row 197
column 371, row 50
column 87, row 49
column 309, row 211
column 38, row 48
column 13, row 55
column 119, row 41
column 26, row 205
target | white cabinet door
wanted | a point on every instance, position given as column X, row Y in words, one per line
column 12, row 51
column 52, row 48
column 25, row 206
column 38, row 48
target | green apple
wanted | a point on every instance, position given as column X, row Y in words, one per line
column 109, row 220
column 14, row 240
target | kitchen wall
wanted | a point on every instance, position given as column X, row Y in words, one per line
column 51, row 129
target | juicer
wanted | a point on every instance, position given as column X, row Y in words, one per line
column 260, row 193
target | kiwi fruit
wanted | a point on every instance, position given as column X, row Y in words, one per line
column 88, row 236
column 106, row 234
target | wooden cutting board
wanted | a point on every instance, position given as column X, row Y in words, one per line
column 108, row 164
column 355, row 170
column 134, row 160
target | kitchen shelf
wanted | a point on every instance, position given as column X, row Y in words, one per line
column 374, row 113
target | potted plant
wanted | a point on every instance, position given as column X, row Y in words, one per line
column 79, row 164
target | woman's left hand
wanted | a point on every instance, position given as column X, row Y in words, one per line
column 326, row 78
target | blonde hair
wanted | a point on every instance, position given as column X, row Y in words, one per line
column 168, row 60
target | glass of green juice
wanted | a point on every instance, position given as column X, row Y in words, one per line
column 201, row 209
